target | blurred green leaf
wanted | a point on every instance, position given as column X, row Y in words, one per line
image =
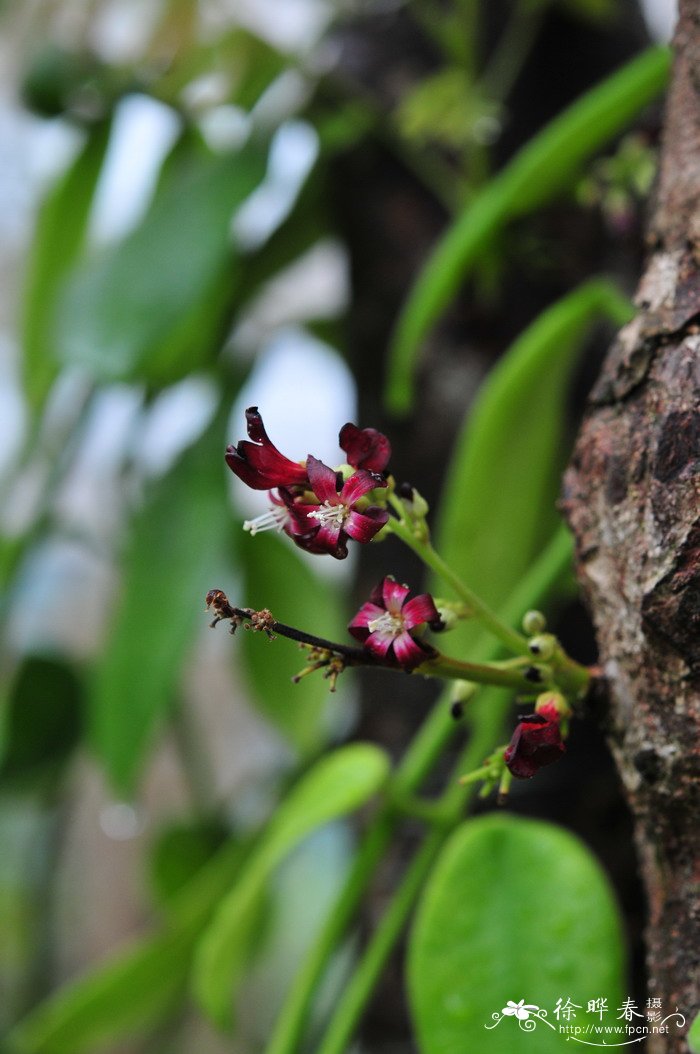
column 179, row 852
column 498, row 507
column 335, row 786
column 253, row 65
column 136, row 990
column 515, row 909
column 58, row 238
column 174, row 552
column 153, row 306
column 43, row 721
column 598, row 12
column 306, row 223
column 276, row 577
column 138, row 987
column 539, row 171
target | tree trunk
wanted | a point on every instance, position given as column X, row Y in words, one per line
column 632, row 497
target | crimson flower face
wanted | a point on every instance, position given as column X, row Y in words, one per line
column 536, row 742
column 384, row 623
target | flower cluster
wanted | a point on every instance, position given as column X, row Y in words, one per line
column 320, row 508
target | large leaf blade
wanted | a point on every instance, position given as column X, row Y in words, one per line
column 515, row 909
column 151, row 307
column 174, row 553
column 58, row 238
column 498, row 508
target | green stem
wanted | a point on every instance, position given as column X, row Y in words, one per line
column 451, row 805
column 512, row 50
column 422, row 548
column 362, row 983
column 292, row 1019
column 475, row 672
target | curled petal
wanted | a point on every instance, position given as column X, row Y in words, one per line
column 359, row 484
column 420, row 609
column 259, row 464
column 323, row 480
column 365, row 447
column 362, row 526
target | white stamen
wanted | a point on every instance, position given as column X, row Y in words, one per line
column 330, row 515
column 386, row 623
column 273, row 520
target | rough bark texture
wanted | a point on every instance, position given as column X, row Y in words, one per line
column 632, row 496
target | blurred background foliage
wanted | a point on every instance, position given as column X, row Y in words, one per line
column 229, row 203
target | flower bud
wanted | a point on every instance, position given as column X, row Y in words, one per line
column 553, row 706
column 542, row 646
column 534, row 622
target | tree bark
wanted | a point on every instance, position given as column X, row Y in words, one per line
column 632, row 498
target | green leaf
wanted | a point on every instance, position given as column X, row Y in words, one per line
column 138, row 987
column 135, row 991
column 58, row 238
column 175, row 550
column 515, row 909
column 539, row 171
column 335, row 786
column 277, row 578
column 498, row 508
column 152, row 307
column 43, row 721
column 179, row 852
column 694, row 1036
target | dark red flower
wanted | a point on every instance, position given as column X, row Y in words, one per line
column 536, row 742
column 385, row 622
column 259, row 464
column 365, row 447
column 337, row 516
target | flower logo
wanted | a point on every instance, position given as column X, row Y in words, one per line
column 520, row 1010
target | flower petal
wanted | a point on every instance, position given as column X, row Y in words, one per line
column 359, row 484
column 394, row 594
column 259, row 464
column 323, row 480
column 363, row 526
column 408, row 651
column 419, row 609
column 380, row 642
column 365, row 447
column 367, row 613
column 328, row 537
